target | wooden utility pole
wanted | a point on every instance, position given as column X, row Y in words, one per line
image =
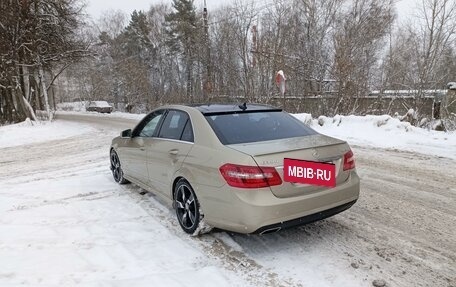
column 254, row 46
column 207, row 88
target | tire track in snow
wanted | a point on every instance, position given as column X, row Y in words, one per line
column 212, row 246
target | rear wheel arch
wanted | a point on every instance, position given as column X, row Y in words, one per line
column 183, row 173
column 185, row 178
column 176, row 180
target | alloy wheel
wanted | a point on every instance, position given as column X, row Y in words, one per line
column 187, row 207
column 116, row 169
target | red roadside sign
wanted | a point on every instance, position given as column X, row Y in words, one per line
column 280, row 81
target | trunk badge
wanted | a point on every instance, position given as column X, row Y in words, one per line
column 270, row 162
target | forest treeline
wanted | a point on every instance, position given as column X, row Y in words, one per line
column 177, row 52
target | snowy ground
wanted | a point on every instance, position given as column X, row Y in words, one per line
column 28, row 132
column 64, row 222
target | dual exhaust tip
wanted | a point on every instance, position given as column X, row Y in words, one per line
column 270, row 230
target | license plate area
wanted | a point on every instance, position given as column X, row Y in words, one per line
column 309, row 172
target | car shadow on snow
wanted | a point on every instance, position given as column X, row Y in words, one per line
column 318, row 234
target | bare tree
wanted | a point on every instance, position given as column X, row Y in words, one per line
column 39, row 40
column 112, row 22
column 421, row 56
column 436, row 34
column 358, row 41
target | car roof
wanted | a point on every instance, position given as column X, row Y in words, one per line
column 211, row 109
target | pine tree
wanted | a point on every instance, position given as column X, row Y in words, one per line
column 182, row 32
column 136, row 36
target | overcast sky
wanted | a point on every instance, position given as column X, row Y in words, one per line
column 96, row 7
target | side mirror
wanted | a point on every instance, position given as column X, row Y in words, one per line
column 126, row 133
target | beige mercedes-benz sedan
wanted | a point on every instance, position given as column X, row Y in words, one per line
column 242, row 168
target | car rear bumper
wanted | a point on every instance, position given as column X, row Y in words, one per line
column 305, row 219
column 256, row 211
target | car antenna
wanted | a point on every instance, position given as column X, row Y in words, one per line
column 243, row 107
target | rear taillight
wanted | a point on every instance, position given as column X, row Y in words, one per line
column 250, row 176
column 349, row 160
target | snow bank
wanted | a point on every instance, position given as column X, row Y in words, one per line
column 111, row 115
column 72, row 106
column 306, row 118
column 384, row 132
column 29, row 132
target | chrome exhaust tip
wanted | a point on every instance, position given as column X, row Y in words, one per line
column 270, row 230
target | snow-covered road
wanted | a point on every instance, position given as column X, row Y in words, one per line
column 64, row 222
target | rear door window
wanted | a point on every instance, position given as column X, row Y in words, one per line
column 238, row 128
column 174, row 125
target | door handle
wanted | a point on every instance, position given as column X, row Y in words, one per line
column 173, row 151
column 142, row 148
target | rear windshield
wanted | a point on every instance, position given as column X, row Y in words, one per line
column 256, row 126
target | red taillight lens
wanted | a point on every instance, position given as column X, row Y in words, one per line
column 349, row 160
column 250, row 176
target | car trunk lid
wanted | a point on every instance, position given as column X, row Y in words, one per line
column 319, row 148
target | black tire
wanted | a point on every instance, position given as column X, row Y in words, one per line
column 187, row 206
column 116, row 168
